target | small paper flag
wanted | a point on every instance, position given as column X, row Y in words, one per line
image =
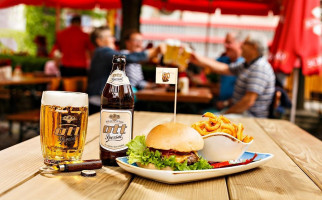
column 166, row 75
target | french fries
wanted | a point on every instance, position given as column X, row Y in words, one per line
column 220, row 124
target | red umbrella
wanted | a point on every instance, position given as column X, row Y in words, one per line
column 298, row 36
column 297, row 42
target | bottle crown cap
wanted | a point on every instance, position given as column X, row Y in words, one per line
column 88, row 173
column 119, row 59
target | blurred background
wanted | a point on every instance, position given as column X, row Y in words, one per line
column 28, row 34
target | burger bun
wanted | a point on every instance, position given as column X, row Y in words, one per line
column 174, row 136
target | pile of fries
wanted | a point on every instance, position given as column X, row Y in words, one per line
column 220, row 124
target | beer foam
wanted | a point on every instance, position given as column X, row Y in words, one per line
column 188, row 49
column 64, row 99
column 173, row 42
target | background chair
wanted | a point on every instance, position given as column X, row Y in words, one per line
column 75, row 84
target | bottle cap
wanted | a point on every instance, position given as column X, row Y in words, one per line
column 88, row 173
column 119, row 59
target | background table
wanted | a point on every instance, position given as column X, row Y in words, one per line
column 294, row 173
column 195, row 95
column 26, row 80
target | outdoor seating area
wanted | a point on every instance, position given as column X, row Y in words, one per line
column 161, row 99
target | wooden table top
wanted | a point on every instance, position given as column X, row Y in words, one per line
column 195, row 95
column 27, row 80
column 295, row 172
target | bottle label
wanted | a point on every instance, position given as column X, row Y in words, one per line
column 116, row 129
column 117, row 78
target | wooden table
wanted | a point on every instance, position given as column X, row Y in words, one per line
column 24, row 83
column 26, row 80
column 294, row 173
column 195, row 95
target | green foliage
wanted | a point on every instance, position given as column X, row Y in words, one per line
column 93, row 14
column 18, row 36
column 27, row 63
column 39, row 21
column 42, row 21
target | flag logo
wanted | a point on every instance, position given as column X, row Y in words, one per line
column 166, row 75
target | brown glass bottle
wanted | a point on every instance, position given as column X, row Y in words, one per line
column 117, row 106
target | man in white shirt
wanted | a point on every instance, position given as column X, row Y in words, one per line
column 255, row 85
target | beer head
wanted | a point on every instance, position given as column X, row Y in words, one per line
column 64, row 99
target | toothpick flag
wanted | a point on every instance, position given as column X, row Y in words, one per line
column 168, row 76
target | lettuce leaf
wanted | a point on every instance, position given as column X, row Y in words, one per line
column 138, row 152
column 136, row 147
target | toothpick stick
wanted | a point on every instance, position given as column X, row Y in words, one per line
column 175, row 102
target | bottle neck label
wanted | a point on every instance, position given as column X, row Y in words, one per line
column 117, row 78
column 115, row 129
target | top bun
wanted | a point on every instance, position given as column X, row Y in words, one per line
column 174, row 136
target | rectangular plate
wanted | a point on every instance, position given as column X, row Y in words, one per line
column 172, row 177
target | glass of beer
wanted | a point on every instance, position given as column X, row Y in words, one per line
column 63, row 126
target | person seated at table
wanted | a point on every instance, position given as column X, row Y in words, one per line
column 232, row 54
column 255, row 84
column 41, row 44
column 133, row 43
column 75, row 47
column 101, row 63
column 52, row 65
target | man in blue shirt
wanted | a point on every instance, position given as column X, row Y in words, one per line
column 101, row 63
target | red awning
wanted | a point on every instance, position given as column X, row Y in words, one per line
column 239, row 7
column 236, row 7
column 78, row 4
column 298, row 36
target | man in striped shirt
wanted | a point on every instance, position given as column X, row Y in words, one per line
column 255, row 85
column 133, row 43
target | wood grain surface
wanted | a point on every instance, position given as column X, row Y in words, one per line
column 22, row 162
column 303, row 148
column 280, row 178
column 145, row 189
column 109, row 183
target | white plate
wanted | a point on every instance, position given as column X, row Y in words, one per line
column 172, row 177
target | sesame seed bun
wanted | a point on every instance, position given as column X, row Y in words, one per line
column 174, row 136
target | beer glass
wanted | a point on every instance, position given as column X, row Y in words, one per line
column 173, row 49
column 184, row 59
column 63, row 126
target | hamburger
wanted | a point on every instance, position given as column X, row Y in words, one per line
column 168, row 146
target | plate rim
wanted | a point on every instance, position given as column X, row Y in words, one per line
column 197, row 171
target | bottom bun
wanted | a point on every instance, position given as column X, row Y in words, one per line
column 152, row 166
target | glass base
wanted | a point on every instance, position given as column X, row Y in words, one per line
column 53, row 162
column 48, row 169
column 50, row 162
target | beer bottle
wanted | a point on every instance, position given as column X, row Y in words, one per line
column 117, row 105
